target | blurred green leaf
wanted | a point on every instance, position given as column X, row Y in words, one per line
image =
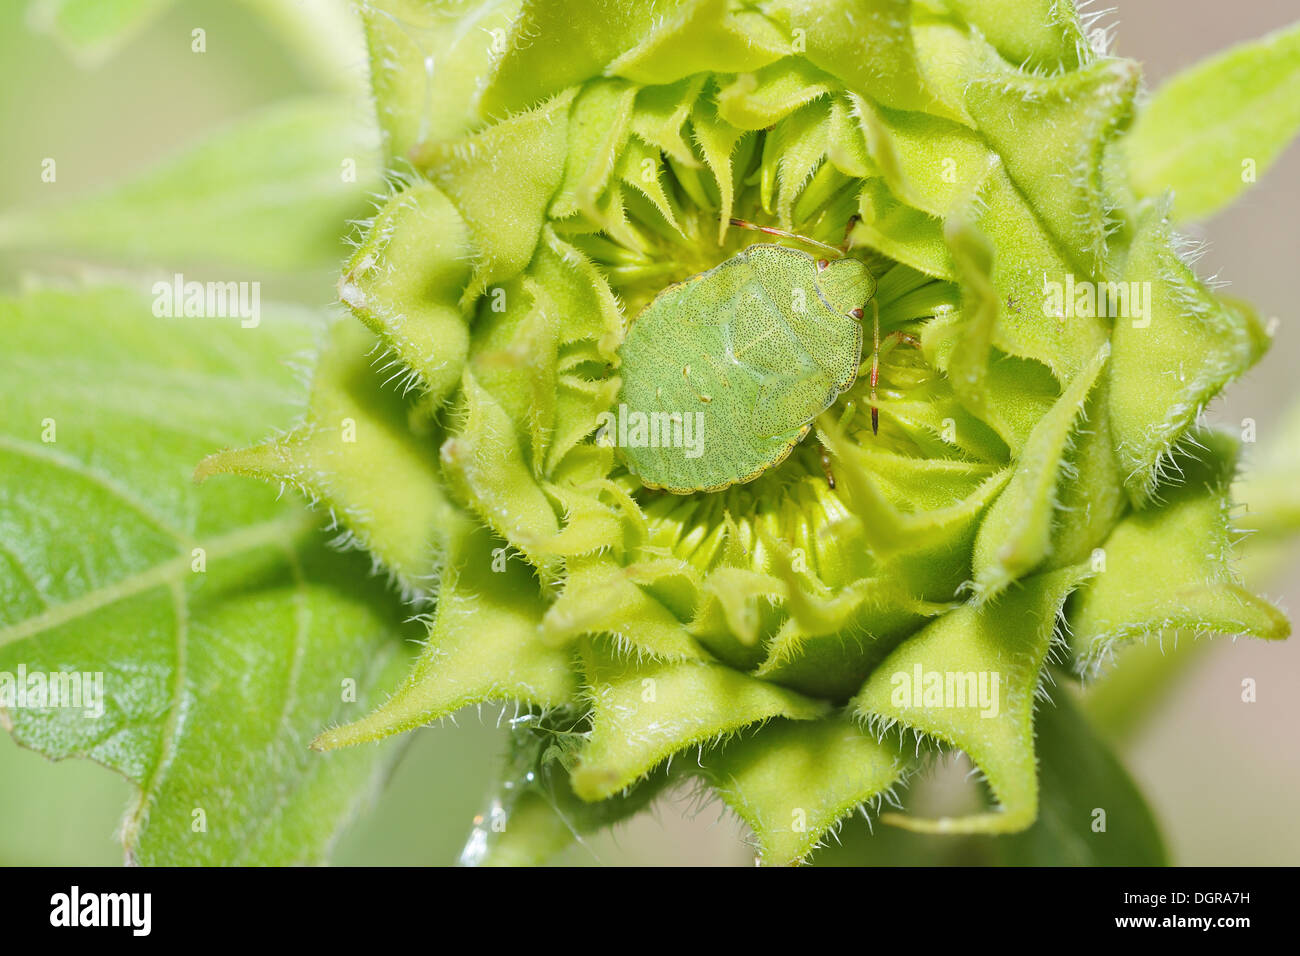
column 1268, row 487
column 1213, row 129
column 93, row 30
column 273, row 191
column 1120, row 700
column 320, row 36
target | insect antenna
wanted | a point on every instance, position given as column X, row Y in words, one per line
column 772, row 231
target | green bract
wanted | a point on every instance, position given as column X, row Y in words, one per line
column 1040, row 492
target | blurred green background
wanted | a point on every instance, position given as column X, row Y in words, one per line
column 1223, row 776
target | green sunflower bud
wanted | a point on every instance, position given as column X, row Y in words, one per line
column 1015, row 486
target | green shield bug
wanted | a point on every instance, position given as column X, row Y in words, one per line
column 740, row 358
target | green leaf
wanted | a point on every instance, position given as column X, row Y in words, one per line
column 218, row 664
column 1213, row 129
column 933, row 164
column 272, row 191
column 1090, row 503
column 931, row 685
column 971, row 362
column 1168, row 567
column 660, row 113
column 800, row 141
column 941, row 182
column 979, row 228
column 902, row 232
column 1080, row 779
column 792, row 781
column 1027, row 254
column 645, row 711
column 531, row 347
column 919, row 519
column 592, row 506
column 949, row 54
column 858, row 626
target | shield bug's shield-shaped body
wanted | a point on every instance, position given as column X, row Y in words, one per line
column 723, row 373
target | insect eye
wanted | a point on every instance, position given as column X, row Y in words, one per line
column 822, row 264
column 857, row 313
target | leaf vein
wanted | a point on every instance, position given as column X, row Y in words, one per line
column 97, row 478
column 164, row 573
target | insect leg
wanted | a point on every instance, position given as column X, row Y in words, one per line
column 848, row 229
column 875, row 365
column 772, row 231
column 899, row 338
column 879, row 348
column 826, row 468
